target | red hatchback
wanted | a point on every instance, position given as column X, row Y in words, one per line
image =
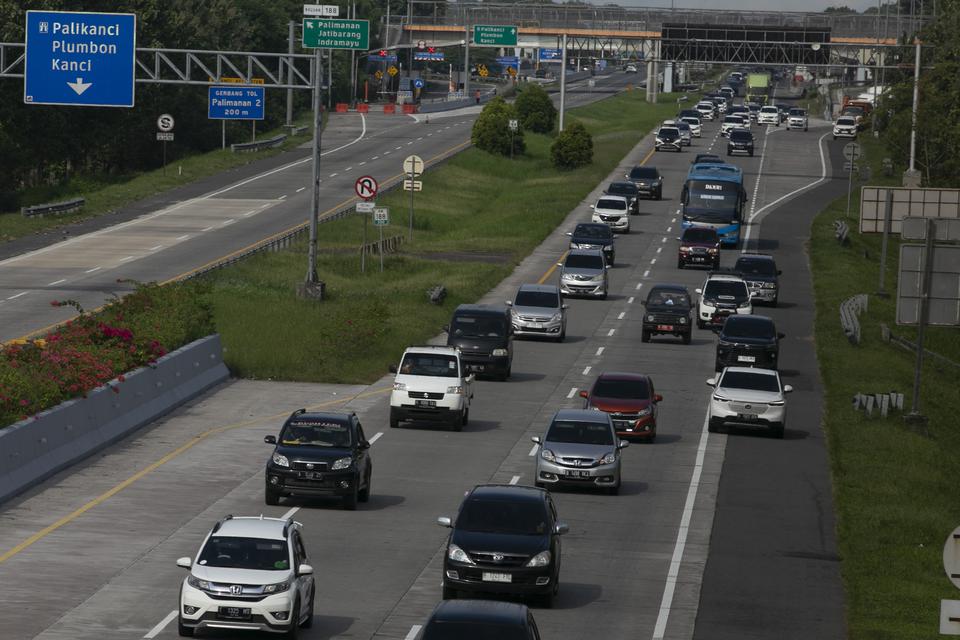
column 630, row 400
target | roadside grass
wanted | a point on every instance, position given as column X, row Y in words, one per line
column 106, row 193
column 474, row 203
column 895, row 486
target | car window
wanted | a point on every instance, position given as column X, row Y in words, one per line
column 245, row 553
column 547, row 299
column 581, row 261
column 608, row 203
column 478, row 326
column 428, row 364
column 726, row 290
column 748, row 327
column 752, row 266
column 502, row 516
column 622, row 189
column 579, row 432
column 316, row 433
column 626, row 389
column 749, row 380
column 741, row 136
column 700, row 234
column 300, row 549
column 593, row 231
column 360, row 436
column 846, row 121
column 668, row 297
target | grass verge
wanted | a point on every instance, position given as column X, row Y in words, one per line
column 475, row 203
column 894, row 486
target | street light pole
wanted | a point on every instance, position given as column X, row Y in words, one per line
column 563, row 79
column 911, row 177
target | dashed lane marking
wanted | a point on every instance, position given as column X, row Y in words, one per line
column 622, row 313
column 610, row 333
column 573, row 392
column 56, row 282
column 586, row 370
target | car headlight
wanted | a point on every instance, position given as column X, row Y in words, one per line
column 744, row 305
column 500, row 352
column 342, row 463
column 650, row 318
column 197, row 583
column 769, row 285
column 399, row 386
column 644, row 412
column 776, row 403
column 457, row 554
column 557, row 317
column 542, row 559
column 456, row 390
column 609, row 458
column 707, row 305
column 281, row 460
column 684, row 249
column 683, row 321
column 598, row 277
column 713, row 251
column 720, row 398
column 547, row 455
column 278, row 587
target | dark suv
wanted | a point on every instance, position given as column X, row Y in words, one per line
column 628, row 190
column 748, row 341
column 319, row 454
column 594, row 235
column 762, row 276
column 648, row 181
column 667, row 311
column 480, row 619
column 740, row 141
column 484, row 335
column 699, row 246
column 505, row 539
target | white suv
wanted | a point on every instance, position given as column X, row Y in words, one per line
column 431, row 385
column 613, row 211
column 797, row 119
column 251, row 573
column 845, row 127
column 769, row 115
column 750, row 397
column 722, row 295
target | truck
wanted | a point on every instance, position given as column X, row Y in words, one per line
column 758, row 88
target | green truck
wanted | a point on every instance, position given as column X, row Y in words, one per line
column 758, row 88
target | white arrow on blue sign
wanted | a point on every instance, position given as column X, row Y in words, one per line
column 418, row 83
column 80, row 59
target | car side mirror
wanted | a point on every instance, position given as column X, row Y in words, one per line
column 608, row 266
column 561, row 528
column 570, row 233
column 700, row 291
column 536, row 439
column 623, row 444
column 471, row 377
column 711, row 382
column 564, row 306
column 184, row 562
column 305, row 570
column 787, row 388
column 445, row 328
column 509, row 303
column 559, row 264
column 781, row 336
column 392, row 368
column 657, row 397
column 270, row 439
column 677, row 238
column 444, row 521
column 584, row 394
column 593, row 206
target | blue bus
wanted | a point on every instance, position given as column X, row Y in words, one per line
column 713, row 196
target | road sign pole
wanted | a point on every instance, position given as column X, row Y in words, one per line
column 850, row 184
column 887, row 221
column 363, row 246
column 380, row 226
column 223, row 134
column 413, row 177
column 924, row 310
column 315, row 198
column 466, row 65
column 164, row 157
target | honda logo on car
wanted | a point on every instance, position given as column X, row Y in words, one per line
column 236, row 589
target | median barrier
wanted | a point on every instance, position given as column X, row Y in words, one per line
column 56, row 208
column 850, row 309
column 389, row 108
column 363, row 108
column 841, row 232
column 36, row 448
column 409, row 108
column 342, row 107
column 259, row 145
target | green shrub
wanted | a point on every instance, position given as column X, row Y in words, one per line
column 491, row 132
column 573, row 147
column 535, row 109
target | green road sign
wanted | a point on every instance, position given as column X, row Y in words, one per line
column 494, row 35
column 336, row 34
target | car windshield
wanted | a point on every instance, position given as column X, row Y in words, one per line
column 797, row 112
column 316, row 433
column 581, row 261
column 726, row 290
column 770, row 110
column 622, row 189
column 548, row 299
column 733, row 120
column 610, row 203
column 748, row 327
column 700, row 234
column 667, row 134
column 428, row 364
column 627, row 389
column 756, row 267
column 750, row 380
column 523, row 517
column 598, row 231
column 692, row 121
column 484, row 326
column 643, row 172
column 568, row 431
column 473, row 630
column 847, row 122
column 683, row 126
column 245, row 553
column 668, row 297
column 741, row 136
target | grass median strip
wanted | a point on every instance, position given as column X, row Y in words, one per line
column 894, row 487
column 476, row 204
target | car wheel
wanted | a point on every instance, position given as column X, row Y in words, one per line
column 294, row 631
column 713, row 426
column 774, row 303
column 644, row 336
column 562, row 336
column 364, row 495
column 660, row 195
column 604, row 296
column 183, row 630
column 776, row 431
column 465, row 418
column 679, row 264
column 271, row 496
column 700, row 324
column 686, row 338
column 308, row 620
column 728, row 152
column 394, row 420
column 751, row 154
column 546, row 600
column 448, row 593
column 506, row 374
column 834, row 137
column 350, row 500
column 539, row 484
column 653, row 436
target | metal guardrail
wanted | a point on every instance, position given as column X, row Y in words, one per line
column 295, row 130
column 385, row 246
column 437, row 294
column 850, row 309
column 841, row 232
column 884, row 402
column 939, row 361
column 57, row 208
column 259, row 145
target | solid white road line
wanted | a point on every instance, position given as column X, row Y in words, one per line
column 586, row 370
column 671, row 585
column 14, row 297
column 248, row 214
column 414, row 630
column 600, row 350
column 514, row 479
column 208, row 229
column 375, row 437
column 533, row 450
column 160, row 625
column 160, row 246
column 226, row 222
column 573, row 392
column 289, row 514
column 56, row 282
column 183, row 237
column 126, row 258
column 283, row 197
column 92, row 270
column 610, row 333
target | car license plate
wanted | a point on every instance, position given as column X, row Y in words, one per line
column 497, row 577
column 747, row 416
column 535, row 325
column 746, row 359
column 697, row 258
column 426, row 403
column 236, row 613
column 574, row 473
column 664, row 327
column 311, row 475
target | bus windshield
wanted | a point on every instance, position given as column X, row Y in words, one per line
column 712, row 201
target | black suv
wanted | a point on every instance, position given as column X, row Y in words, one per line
column 319, row 454
column 667, row 311
column 648, row 181
column 484, row 335
column 505, row 539
column 748, row 341
column 472, row 619
column 740, row 141
column 762, row 276
column 594, row 235
column 628, row 190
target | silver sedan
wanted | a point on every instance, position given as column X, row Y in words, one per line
column 580, row 449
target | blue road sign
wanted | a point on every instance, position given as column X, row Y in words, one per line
column 80, row 59
column 551, row 55
column 235, row 102
column 509, row 61
column 427, row 56
column 418, row 83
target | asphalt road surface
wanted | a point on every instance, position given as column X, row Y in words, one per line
column 712, row 535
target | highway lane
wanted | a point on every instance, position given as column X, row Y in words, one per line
column 109, row 573
column 181, row 236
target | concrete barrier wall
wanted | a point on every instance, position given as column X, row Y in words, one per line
column 34, row 449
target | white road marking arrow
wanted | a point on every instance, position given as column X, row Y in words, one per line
column 79, row 86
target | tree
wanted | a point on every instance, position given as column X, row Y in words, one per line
column 535, row 109
column 491, row 132
column 573, row 147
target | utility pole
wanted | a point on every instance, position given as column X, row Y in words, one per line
column 563, row 78
column 313, row 287
column 911, row 177
column 291, row 28
column 353, row 60
column 466, row 65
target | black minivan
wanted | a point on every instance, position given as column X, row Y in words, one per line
column 480, row 620
column 484, row 335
